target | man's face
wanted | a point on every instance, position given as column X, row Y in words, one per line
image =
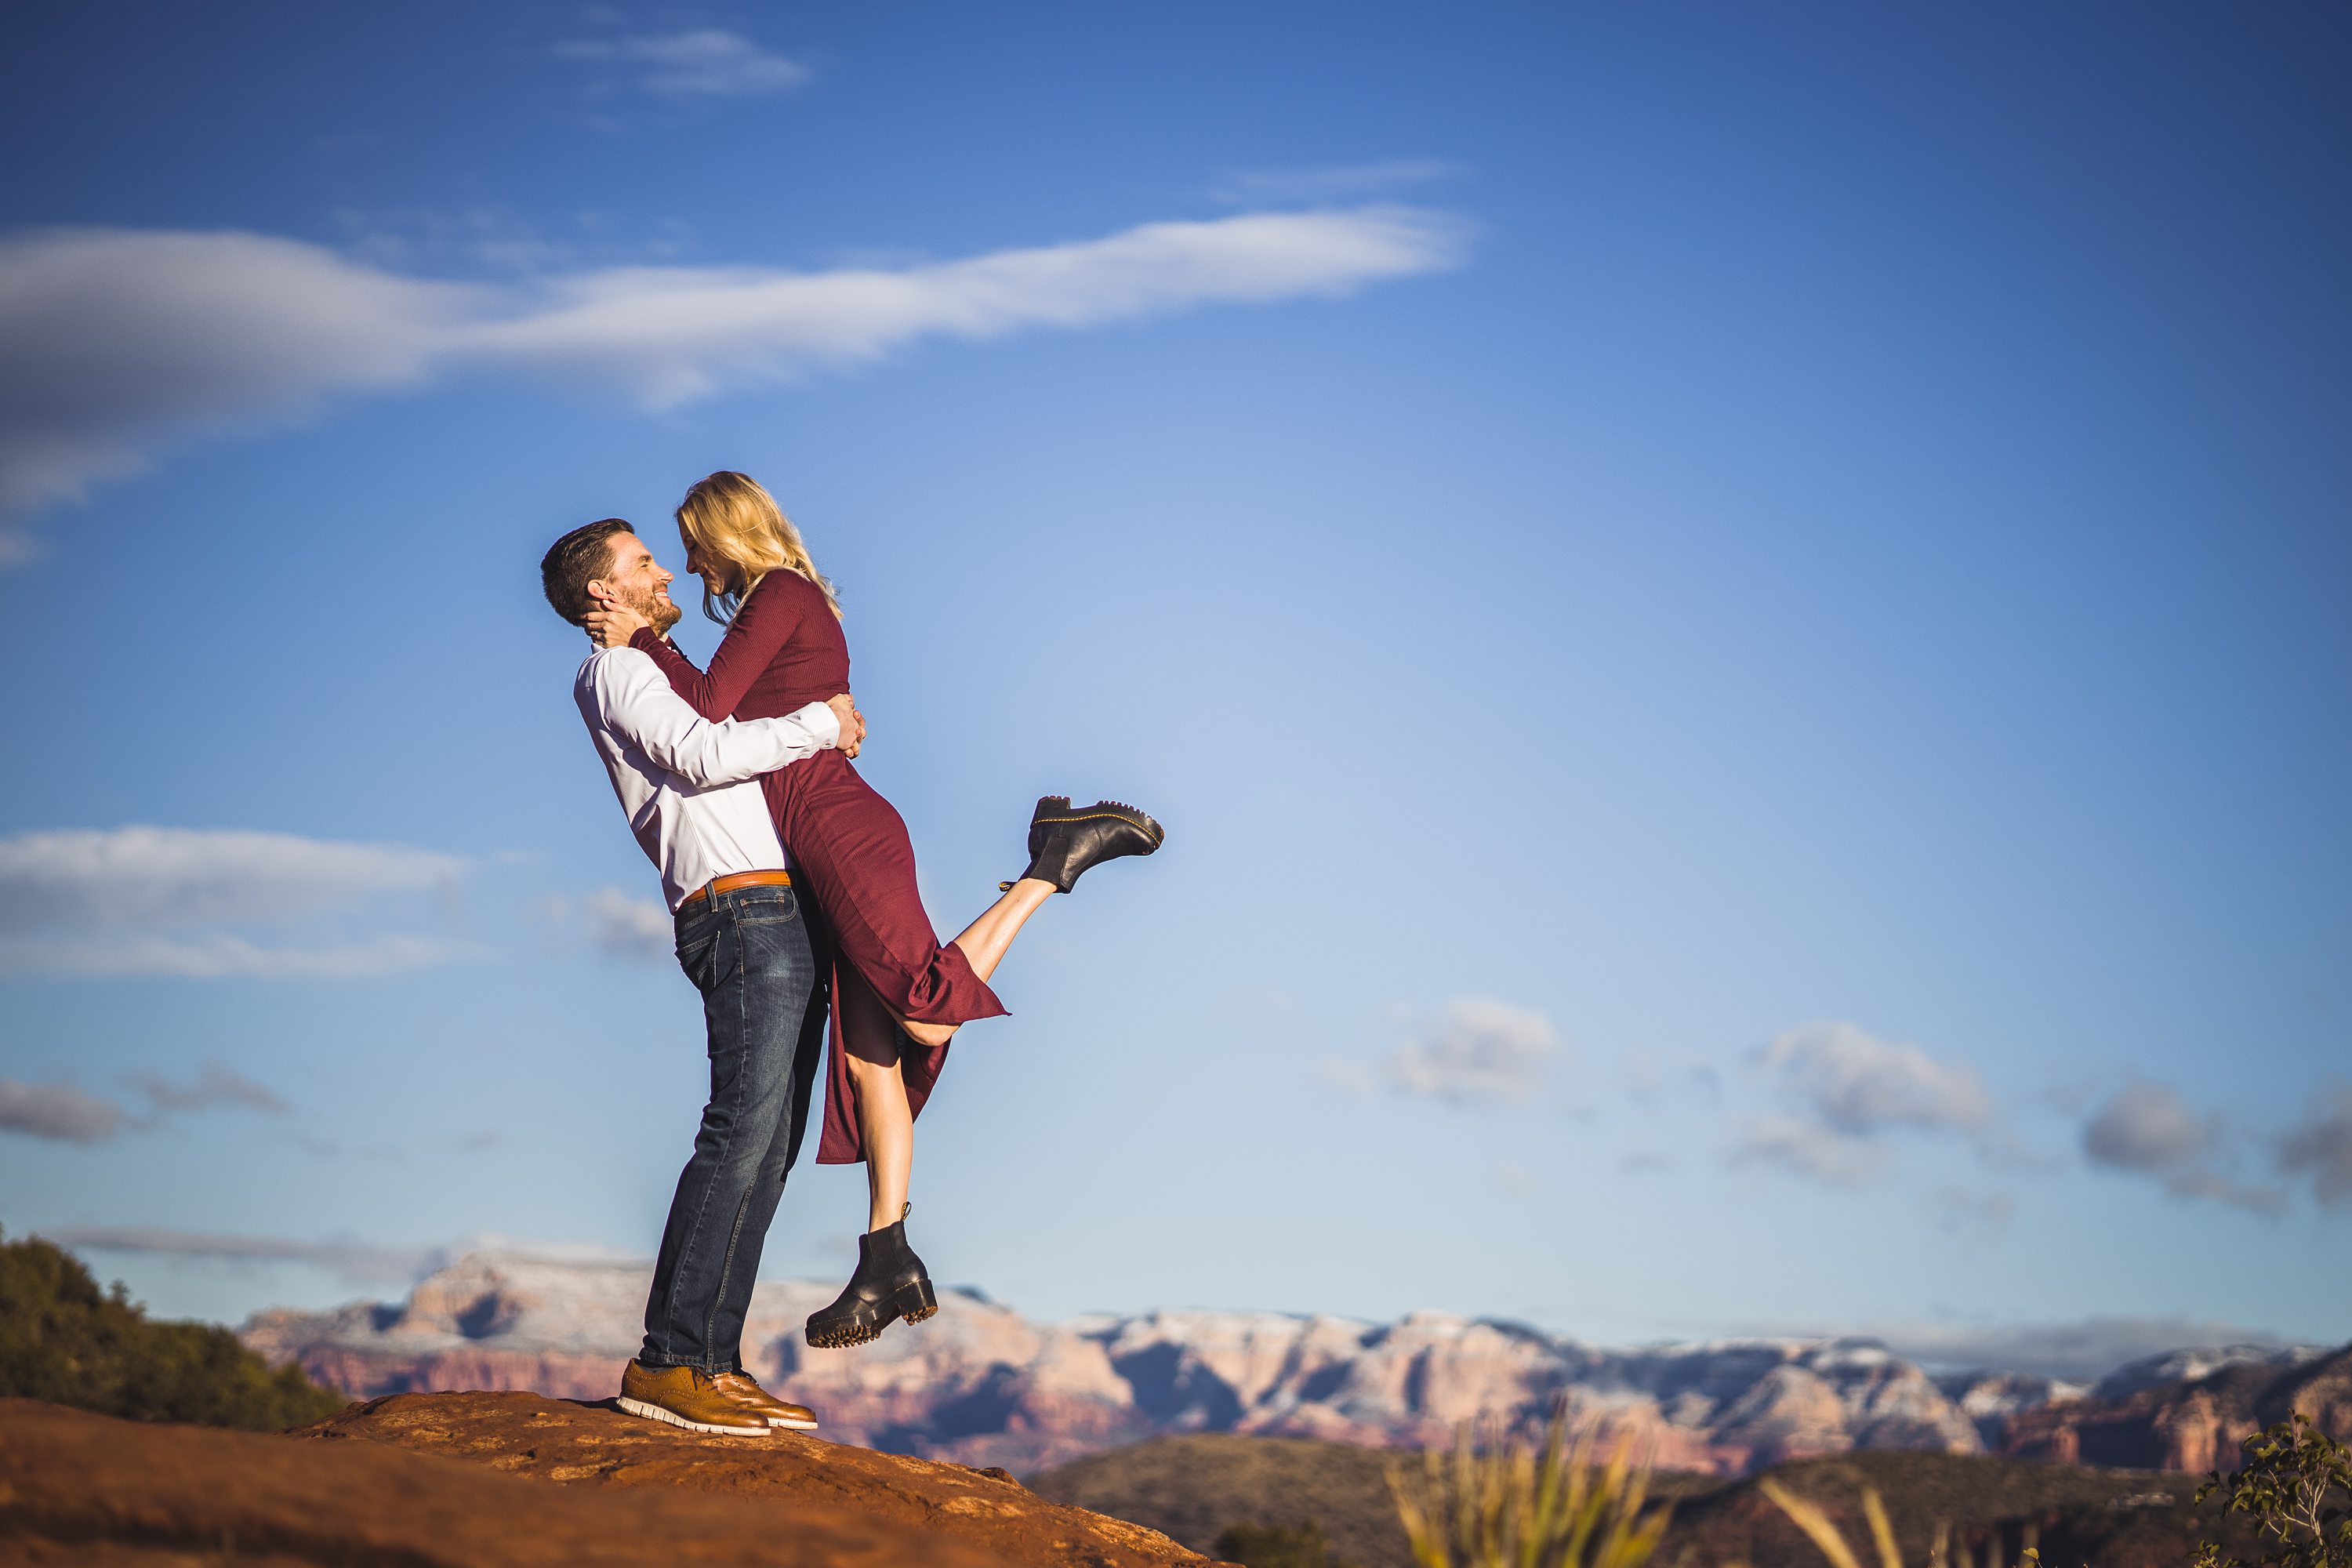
column 636, row 581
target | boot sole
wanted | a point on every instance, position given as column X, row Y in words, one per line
column 656, row 1413
column 912, row 1303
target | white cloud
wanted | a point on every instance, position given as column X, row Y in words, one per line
column 152, row 901
column 1806, row 1148
column 669, row 335
column 57, row 1111
column 2321, row 1146
column 117, row 343
column 635, row 928
column 179, row 876
column 1476, row 1049
column 355, row 1262
column 1847, row 1089
column 1858, row 1085
column 114, row 342
column 222, row 957
column 707, row 62
column 2146, row 1129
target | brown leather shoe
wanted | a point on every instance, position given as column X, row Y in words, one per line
column 686, row 1396
column 741, row 1387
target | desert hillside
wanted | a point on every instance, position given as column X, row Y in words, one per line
column 1195, row 1488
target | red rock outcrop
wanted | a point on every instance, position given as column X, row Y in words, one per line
column 515, row 1479
column 2193, row 1425
column 82, row 1489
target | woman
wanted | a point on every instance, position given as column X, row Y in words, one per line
column 898, row 995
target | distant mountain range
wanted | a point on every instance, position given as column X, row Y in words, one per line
column 982, row 1385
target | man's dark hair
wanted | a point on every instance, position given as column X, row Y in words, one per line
column 575, row 560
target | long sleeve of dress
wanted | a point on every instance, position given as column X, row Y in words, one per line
column 763, row 624
column 626, row 697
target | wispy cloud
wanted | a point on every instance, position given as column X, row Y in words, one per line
column 1846, row 1090
column 1805, row 1148
column 215, row 1084
column 61, row 1113
column 356, row 1262
column 707, row 62
column 115, row 344
column 1963, row 1208
column 155, row 900
column 1476, row 1051
column 2319, row 1148
column 2146, row 1129
column 138, row 875
column 1858, row 1084
column 611, row 920
column 1335, row 181
column 224, row 958
column 57, row 1112
column 633, row 927
column 2080, row 1351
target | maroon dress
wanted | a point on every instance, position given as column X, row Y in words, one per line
column 849, row 847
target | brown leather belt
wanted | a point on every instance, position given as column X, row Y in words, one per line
column 733, row 881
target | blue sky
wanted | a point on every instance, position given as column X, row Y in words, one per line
column 1740, row 622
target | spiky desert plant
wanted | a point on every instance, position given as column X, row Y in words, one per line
column 1809, row 1517
column 1492, row 1501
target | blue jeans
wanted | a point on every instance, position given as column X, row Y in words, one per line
column 748, row 952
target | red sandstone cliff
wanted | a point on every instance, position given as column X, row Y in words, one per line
column 2192, row 1424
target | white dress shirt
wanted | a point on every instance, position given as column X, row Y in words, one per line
column 690, row 786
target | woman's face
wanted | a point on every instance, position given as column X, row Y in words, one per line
column 713, row 573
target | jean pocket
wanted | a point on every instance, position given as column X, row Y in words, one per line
column 702, row 949
column 775, row 907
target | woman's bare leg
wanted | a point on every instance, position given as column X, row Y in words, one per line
column 983, row 943
column 888, row 1128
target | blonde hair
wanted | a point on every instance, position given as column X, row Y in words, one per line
column 732, row 522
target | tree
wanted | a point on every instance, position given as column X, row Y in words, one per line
column 65, row 1340
column 2296, row 1483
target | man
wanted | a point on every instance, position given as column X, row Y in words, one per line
column 691, row 791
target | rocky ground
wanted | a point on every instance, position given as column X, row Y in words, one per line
column 456, row 1480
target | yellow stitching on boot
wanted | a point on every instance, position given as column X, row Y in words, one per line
column 1101, row 816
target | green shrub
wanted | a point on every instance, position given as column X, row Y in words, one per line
column 1279, row 1546
column 65, row 1340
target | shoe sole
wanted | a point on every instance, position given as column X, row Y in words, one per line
column 655, row 1413
column 912, row 1304
column 791, row 1424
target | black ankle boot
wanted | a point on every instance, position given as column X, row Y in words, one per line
column 890, row 1282
column 1064, row 841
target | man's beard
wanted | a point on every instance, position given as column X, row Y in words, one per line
column 663, row 613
